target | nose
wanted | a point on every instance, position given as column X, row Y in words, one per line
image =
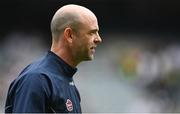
column 98, row 39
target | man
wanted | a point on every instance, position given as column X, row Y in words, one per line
column 47, row 85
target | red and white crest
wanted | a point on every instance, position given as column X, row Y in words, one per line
column 69, row 105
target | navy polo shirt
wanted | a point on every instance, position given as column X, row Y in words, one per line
column 44, row 86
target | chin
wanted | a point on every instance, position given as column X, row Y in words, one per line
column 89, row 58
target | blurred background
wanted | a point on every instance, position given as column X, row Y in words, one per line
column 136, row 68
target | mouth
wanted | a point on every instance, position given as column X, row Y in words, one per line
column 93, row 49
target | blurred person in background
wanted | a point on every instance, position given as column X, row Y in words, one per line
column 46, row 85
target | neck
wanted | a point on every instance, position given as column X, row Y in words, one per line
column 65, row 54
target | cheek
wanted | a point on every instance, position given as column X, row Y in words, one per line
column 84, row 43
column 88, row 44
column 80, row 46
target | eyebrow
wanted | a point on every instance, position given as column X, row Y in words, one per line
column 94, row 30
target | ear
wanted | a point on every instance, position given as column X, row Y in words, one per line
column 68, row 34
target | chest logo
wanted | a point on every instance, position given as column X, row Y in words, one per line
column 69, row 105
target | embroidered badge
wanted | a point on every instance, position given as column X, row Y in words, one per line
column 71, row 83
column 69, row 105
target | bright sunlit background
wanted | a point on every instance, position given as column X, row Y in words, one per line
column 136, row 68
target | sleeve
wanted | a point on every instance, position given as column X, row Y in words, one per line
column 31, row 95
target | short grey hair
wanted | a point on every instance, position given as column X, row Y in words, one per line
column 62, row 20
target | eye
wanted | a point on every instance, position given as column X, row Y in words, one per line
column 93, row 32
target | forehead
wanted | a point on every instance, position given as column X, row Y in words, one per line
column 90, row 23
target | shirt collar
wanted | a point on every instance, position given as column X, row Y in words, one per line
column 65, row 68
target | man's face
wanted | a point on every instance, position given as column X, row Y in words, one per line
column 86, row 40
